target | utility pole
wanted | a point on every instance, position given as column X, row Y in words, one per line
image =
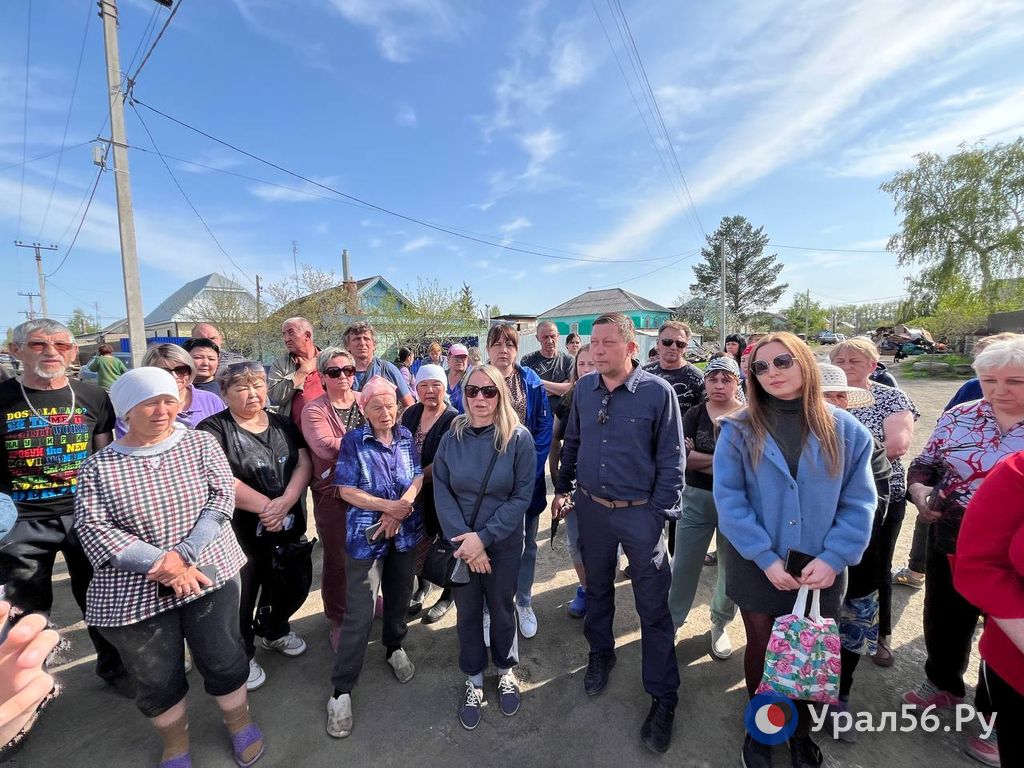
column 722, row 327
column 807, row 315
column 259, row 309
column 31, row 314
column 122, row 185
column 39, row 270
column 96, row 306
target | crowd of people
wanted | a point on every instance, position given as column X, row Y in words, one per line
column 177, row 494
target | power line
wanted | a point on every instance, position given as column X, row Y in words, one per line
column 482, row 240
column 45, row 155
column 132, row 78
column 147, row 34
column 67, row 120
column 67, row 253
column 645, row 274
column 24, row 118
column 181, row 189
column 831, row 250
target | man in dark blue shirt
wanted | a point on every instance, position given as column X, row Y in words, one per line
column 623, row 447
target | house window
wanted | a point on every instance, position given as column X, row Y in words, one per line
column 575, row 328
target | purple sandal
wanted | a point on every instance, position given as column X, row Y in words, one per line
column 244, row 739
column 184, row 760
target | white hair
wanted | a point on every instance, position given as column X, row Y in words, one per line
column 1002, row 354
column 50, row 327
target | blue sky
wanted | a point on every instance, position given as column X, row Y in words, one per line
column 511, row 120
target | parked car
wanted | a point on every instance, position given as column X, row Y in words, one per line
column 827, row 337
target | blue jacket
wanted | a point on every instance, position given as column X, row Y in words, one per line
column 765, row 513
column 539, row 421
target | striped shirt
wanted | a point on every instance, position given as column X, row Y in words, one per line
column 156, row 498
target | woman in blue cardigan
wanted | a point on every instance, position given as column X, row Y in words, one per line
column 530, row 402
column 792, row 474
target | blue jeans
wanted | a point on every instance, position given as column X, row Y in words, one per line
column 528, row 563
column 697, row 523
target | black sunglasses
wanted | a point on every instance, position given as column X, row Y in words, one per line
column 490, row 391
column 781, row 362
column 602, row 415
column 181, row 371
column 334, row 372
column 678, row 344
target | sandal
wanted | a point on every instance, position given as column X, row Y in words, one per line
column 184, row 760
column 711, row 558
column 908, row 578
column 883, row 656
column 244, row 739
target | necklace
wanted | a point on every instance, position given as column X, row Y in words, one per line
column 32, row 408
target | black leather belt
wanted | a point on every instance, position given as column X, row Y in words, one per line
column 612, row 503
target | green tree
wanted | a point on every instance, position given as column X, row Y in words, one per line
column 806, row 315
column 963, row 217
column 750, row 274
column 80, row 323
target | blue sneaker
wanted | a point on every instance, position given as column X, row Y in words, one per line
column 578, row 607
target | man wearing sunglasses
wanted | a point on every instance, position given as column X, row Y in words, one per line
column 623, row 450
column 685, row 379
column 49, row 424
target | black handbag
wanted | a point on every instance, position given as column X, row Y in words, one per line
column 291, row 577
column 440, row 566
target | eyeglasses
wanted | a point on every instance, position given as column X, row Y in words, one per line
column 490, row 391
column 602, row 415
column 334, row 372
column 676, row 342
column 780, row 362
column 179, row 371
column 41, row 346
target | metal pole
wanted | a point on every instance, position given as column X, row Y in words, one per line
column 722, row 327
column 122, row 186
column 807, row 315
column 259, row 327
column 39, row 271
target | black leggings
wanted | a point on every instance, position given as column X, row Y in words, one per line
column 758, row 627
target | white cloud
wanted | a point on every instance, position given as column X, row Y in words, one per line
column 406, row 116
column 257, row 13
column 540, row 146
column 402, row 26
column 418, row 244
column 303, row 193
column 518, row 223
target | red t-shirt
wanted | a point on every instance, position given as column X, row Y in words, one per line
column 989, row 565
column 311, row 390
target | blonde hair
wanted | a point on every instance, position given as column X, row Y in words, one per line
column 817, row 415
column 865, row 347
column 505, row 419
column 982, row 344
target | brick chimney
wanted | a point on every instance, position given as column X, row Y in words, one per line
column 351, row 289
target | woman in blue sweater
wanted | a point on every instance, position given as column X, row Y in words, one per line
column 792, row 474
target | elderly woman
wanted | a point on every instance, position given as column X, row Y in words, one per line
column 324, row 423
column 379, row 475
column 271, row 465
column 967, row 442
column 529, row 400
column 484, row 475
column 206, row 356
column 788, row 432
column 891, row 421
column 166, row 563
column 698, row 521
column 989, row 572
column 428, row 420
column 196, row 404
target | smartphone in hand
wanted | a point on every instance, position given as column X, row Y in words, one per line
column 371, row 533
column 796, row 561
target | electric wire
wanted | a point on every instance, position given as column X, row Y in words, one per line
column 135, row 76
column 81, row 221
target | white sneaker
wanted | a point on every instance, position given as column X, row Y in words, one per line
column 487, row 628
column 188, row 660
column 527, row 620
column 721, row 645
column 289, row 645
column 401, row 664
column 257, row 677
column 339, row 716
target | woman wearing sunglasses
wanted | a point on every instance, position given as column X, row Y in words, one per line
column 325, row 421
column 792, row 481
column 482, row 511
column 196, row 404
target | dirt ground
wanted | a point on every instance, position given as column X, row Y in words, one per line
column 415, row 724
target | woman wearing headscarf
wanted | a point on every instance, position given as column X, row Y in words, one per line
column 324, row 423
column 428, row 420
column 152, row 512
column 196, row 404
column 271, row 465
column 484, row 475
column 379, row 475
column 786, row 432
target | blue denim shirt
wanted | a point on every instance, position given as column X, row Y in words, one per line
column 384, row 472
column 627, row 444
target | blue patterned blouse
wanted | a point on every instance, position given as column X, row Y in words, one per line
column 382, row 471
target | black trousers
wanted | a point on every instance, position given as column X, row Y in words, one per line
column 996, row 695
column 498, row 588
column 949, row 624
column 891, row 524
column 919, row 548
column 26, row 572
column 154, row 650
column 640, row 531
column 390, row 575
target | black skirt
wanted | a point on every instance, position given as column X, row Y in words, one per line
column 748, row 587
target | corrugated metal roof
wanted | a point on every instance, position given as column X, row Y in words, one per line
column 170, row 308
column 607, row 300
